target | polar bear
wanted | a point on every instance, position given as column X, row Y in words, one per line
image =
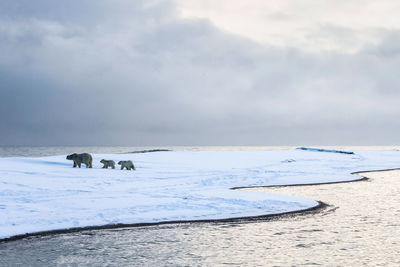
column 108, row 163
column 128, row 164
column 78, row 159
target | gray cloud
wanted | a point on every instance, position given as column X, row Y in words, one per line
column 100, row 72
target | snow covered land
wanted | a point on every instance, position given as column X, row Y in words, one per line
column 40, row 194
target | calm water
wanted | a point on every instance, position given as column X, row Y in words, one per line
column 24, row 151
column 360, row 228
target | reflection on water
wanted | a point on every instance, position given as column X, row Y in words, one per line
column 361, row 227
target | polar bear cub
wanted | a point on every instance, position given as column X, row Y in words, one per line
column 108, row 163
column 128, row 164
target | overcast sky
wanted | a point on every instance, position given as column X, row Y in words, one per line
column 199, row 72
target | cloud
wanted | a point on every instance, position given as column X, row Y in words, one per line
column 313, row 25
column 135, row 73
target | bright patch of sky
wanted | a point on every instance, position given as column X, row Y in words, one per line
column 309, row 24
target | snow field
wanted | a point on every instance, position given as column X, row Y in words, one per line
column 41, row 194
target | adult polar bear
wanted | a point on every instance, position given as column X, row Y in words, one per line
column 84, row 158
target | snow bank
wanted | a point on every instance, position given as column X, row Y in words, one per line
column 40, row 194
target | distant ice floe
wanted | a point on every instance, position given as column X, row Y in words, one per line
column 324, row 150
column 42, row 194
column 148, row 151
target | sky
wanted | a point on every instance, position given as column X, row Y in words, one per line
column 186, row 72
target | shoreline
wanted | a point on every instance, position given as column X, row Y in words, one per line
column 246, row 219
column 362, row 179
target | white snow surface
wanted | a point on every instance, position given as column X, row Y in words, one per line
column 41, row 194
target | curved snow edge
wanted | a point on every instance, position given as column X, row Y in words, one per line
column 269, row 217
column 310, row 184
column 287, row 185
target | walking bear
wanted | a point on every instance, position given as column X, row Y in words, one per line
column 78, row 159
column 128, row 164
column 108, row 163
